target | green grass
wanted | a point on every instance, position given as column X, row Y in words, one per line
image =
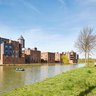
column 78, row 82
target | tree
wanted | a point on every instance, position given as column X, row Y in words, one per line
column 65, row 59
column 86, row 42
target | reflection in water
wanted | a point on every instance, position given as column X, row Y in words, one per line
column 10, row 79
column 1, row 77
column 32, row 75
column 57, row 69
column 1, row 73
column 51, row 71
column 44, row 72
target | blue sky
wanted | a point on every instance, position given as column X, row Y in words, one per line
column 49, row 25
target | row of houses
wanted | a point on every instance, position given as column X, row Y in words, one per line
column 14, row 52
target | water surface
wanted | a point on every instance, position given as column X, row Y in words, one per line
column 11, row 79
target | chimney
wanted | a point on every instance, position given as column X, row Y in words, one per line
column 35, row 49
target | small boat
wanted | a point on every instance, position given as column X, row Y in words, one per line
column 20, row 69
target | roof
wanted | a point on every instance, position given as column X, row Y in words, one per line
column 21, row 37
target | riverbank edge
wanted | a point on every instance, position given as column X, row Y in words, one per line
column 34, row 64
column 77, row 82
column 19, row 64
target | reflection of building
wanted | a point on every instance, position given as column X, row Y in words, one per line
column 1, row 75
column 72, row 56
column 44, row 71
column 10, row 52
column 57, row 69
column 32, row 56
column 48, row 57
column 58, row 57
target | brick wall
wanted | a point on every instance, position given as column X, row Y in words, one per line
column 48, row 57
column 32, row 56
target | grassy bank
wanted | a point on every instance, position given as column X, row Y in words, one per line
column 78, row 82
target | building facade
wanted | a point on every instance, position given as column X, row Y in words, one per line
column 72, row 56
column 21, row 40
column 58, row 57
column 32, row 55
column 14, row 52
column 47, row 57
column 10, row 52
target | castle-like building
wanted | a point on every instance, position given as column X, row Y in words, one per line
column 11, row 51
column 14, row 52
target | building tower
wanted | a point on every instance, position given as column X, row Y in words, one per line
column 22, row 41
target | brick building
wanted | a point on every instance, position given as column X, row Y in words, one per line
column 21, row 40
column 10, row 52
column 72, row 56
column 58, row 57
column 48, row 57
column 13, row 52
column 32, row 55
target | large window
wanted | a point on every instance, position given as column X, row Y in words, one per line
column 8, row 50
column 6, row 47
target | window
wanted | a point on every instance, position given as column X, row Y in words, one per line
column 10, row 47
column 71, row 53
column 6, row 47
column 10, row 53
column 6, row 53
column 17, row 54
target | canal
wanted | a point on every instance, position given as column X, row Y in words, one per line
column 11, row 79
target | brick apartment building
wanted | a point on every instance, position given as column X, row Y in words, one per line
column 47, row 57
column 32, row 55
column 14, row 52
column 10, row 52
column 58, row 57
column 72, row 56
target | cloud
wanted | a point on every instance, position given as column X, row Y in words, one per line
column 0, row 2
column 61, row 1
column 29, row 5
column 89, row 1
column 63, row 4
column 86, row 2
column 40, row 38
column 26, row 3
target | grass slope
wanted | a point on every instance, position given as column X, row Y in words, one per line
column 78, row 82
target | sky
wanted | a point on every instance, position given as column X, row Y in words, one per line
column 49, row 25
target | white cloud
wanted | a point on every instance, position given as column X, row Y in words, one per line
column 86, row 2
column 0, row 2
column 26, row 3
column 40, row 38
column 61, row 1
column 89, row 1
column 29, row 5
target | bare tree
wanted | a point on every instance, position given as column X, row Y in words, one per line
column 86, row 42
